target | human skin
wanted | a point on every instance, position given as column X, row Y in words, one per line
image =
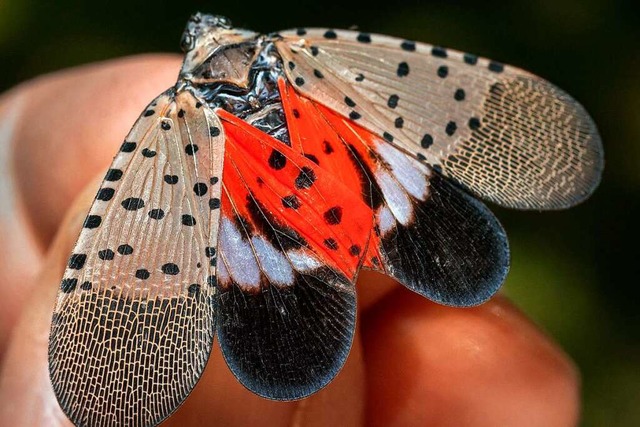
column 413, row 362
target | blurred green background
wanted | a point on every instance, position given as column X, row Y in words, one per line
column 577, row 272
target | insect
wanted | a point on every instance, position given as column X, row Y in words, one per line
column 246, row 199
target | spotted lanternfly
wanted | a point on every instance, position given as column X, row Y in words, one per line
column 247, row 197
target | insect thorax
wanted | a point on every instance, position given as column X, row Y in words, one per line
column 255, row 98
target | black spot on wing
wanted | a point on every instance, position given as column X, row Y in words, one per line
column 128, row 147
column 305, row 178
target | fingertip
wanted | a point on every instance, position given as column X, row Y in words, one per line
column 24, row 378
column 489, row 365
column 71, row 124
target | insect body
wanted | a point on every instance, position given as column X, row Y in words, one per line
column 247, row 197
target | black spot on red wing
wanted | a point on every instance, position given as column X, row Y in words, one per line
column 132, row 203
column 200, row 189
column 142, row 274
column 305, row 178
column 128, row 147
column 156, row 214
column 313, row 158
column 125, row 249
column 170, row 269
column 171, row 179
column 105, row 194
column 92, row 221
column 188, row 220
column 76, row 261
column 403, row 69
column 326, row 147
column 113, row 175
column 333, row 215
column 68, row 285
column 214, row 203
column 191, row 149
column 355, row 250
column 331, row 244
column 296, row 113
column 106, row 254
column 277, row 160
column 291, row 202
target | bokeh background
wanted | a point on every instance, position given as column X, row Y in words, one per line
column 576, row 272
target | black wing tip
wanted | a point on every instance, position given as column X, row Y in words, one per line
column 286, row 392
column 288, row 343
column 481, row 289
column 459, row 255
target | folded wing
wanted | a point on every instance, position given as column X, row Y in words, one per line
column 134, row 320
column 504, row 134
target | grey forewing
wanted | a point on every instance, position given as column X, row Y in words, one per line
column 257, row 101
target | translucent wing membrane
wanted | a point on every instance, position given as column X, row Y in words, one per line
column 428, row 234
column 134, row 320
column 287, row 265
column 502, row 133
